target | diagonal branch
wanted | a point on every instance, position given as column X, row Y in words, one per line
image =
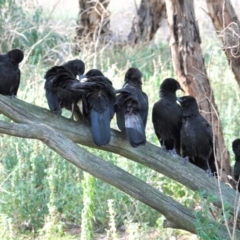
column 149, row 155
column 180, row 216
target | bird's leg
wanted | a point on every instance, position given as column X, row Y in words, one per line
column 12, row 94
column 72, row 112
column 174, row 151
column 209, row 172
column 163, row 146
column 185, row 160
column 58, row 112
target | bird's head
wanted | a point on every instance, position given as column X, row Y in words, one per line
column 188, row 102
column 77, row 67
column 15, row 56
column 236, row 146
column 91, row 73
column 133, row 76
column 170, row 85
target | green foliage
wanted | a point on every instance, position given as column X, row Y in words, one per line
column 209, row 217
column 88, row 185
column 30, row 30
column 112, row 231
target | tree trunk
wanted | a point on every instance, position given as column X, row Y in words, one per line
column 227, row 27
column 93, row 23
column 62, row 134
column 189, row 67
column 146, row 24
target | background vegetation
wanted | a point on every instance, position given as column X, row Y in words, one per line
column 45, row 197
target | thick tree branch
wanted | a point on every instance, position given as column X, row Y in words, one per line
column 104, row 171
column 178, row 215
column 149, row 155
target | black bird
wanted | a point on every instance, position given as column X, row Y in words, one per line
column 196, row 135
column 96, row 105
column 167, row 116
column 59, row 82
column 132, row 108
column 9, row 72
column 236, row 169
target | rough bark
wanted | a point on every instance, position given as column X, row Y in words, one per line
column 93, row 23
column 146, row 23
column 227, row 28
column 150, row 155
column 189, row 67
column 62, row 134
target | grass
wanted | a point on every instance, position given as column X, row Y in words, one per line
column 42, row 195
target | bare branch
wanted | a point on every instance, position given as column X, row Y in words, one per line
column 149, row 155
column 180, row 216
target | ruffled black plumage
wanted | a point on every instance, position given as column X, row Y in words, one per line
column 96, row 106
column 132, row 108
column 60, row 80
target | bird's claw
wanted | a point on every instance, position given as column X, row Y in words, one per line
column 58, row 113
column 185, row 160
column 164, row 149
column 173, row 151
column 209, row 173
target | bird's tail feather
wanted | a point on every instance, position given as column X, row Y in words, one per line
column 135, row 129
column 100, row 126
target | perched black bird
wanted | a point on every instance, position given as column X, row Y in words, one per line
column 9, row 72
column 236, row 169
column 96, row 105
column 59, row 83
column 132, row 108
column 196, row 135
column 167, row 116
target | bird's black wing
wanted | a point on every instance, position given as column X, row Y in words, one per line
column 131, row 109
column 17, row 83
column 188, row 136
column 196, row 137
column 58, row 86
column 144, row 104
column 98, row 108
column 167, row 121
